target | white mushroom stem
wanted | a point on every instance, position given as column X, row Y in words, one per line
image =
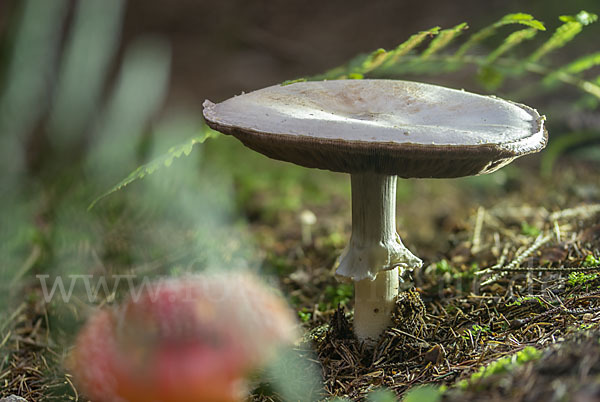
column 374, row 303
column 375, row 254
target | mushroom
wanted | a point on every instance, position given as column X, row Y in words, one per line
column 307, row 220
column 377, row 130
column 182, row 340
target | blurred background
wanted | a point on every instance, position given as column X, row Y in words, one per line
column 92, row 89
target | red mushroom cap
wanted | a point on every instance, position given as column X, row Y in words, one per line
column 183, row 340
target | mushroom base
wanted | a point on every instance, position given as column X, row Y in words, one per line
column 375, row 253
column 374, row 303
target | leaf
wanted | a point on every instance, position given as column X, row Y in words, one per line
column 489, row 76
column 565, row 33
column 443, row 39
column 405, row 47
column 288, row 82
column 512, row 40
column 164, row 160
column 581, row 64
column 522, row 18
column 371, row 62
column 518, row 18
column 583, row 17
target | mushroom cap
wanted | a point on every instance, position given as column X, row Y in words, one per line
column 402, row 128
column 182, row 340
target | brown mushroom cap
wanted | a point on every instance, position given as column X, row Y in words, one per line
column 401, row 128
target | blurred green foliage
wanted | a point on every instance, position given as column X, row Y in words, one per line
column 591, row 261
column 337, row 295
column 530, row 230
column 425, row 393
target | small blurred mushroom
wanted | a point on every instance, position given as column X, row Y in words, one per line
column 183, row 340
column 307, row 220
column 377, row 130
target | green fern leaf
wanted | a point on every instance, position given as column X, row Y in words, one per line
column 523, row 19
column 578, row 66
column 518, row 18
column 583, row 17
column 489, row 76
column 565, row 33
column 443, row 39
column 164, row 160
column 370, row 63
column 405, row 47
column 511, row 41
column 288, row 82
column 380, row 57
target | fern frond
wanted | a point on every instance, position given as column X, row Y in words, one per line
column 491, row 77
column 370, row 63
column 164, row 160
column 583, row 17
column 518, row 18
column 405, row 47
column 511, row 41
column 578, row 66
column 380, row 58
column 443, row 39
column 565, row 33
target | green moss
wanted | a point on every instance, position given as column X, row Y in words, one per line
column 524, row 299
column 464, row 272
column 443, row 266
column 591, row 261
column 503, row 365
column 529, row 230
column 340, row 294
column 581, row 279
column 304, row 315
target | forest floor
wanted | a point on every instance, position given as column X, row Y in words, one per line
column 506, row 306
column 507, row 310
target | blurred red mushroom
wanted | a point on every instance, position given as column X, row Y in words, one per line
column 183, row 340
